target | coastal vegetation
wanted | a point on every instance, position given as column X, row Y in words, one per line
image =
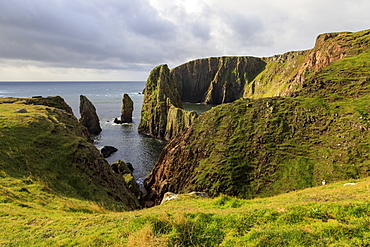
column 285, row 165
column 333, row 214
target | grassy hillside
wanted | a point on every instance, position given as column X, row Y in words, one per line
column 263, row 147
column 46, row 149
column 330, row 215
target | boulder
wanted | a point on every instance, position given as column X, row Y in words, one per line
column 169, row 196
column 107, row 151
column 22, row 110
column 89, row 117
column 200, row 194
column 127, row 109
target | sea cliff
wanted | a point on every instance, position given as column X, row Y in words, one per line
column 264, row 145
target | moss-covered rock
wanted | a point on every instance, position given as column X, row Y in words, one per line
column 178, row 120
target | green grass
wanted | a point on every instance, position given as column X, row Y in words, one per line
column 330, row 215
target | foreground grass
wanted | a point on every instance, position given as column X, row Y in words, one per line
column 330, row 215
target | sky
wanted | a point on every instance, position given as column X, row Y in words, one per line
column 121, row 40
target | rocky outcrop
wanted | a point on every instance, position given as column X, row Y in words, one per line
column 127, row 109
column 160, row 94
column 265, row 146
column 216, row 80
column 89, row 117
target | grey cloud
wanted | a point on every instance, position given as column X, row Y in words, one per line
column 201, row 30
column 246, row 29
column 81, row 33
column 133, row 35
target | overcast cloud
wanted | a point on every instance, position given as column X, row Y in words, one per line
column 125, row 39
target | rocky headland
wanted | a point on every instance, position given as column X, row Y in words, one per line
column 304, row 119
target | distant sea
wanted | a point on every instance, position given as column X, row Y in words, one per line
column 139, row 150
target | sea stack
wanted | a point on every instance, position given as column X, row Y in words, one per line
column 127, row 109
column 89, row 118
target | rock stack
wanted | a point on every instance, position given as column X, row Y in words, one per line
column 127, row 109
column 89, row 118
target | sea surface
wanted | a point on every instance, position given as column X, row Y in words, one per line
column 139, row 150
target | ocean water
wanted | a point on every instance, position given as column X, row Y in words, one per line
column 139, row 150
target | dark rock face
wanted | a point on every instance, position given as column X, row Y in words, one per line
column 216, row 80
column 89, row 117
column 127, row 109
column 107, row 151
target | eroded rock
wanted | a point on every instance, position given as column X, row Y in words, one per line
column 127, row 109
column 89, row 117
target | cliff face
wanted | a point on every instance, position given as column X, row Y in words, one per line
column 160, row 95
column 48, row 146
column 265, row 146
column 215, row 80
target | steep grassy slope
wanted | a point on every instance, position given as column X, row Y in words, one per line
column 263, row 147
column 331, row 215
column 46, row 148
